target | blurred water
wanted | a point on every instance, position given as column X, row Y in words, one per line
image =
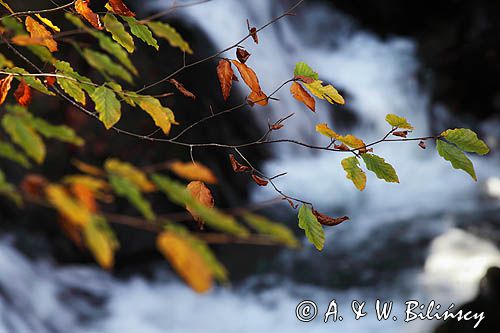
column 377, row 77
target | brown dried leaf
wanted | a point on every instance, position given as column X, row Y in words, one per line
column 120, row 8
column 40, row 33
column 259, row 180
column 300, row 94
column 23, row 94
column 5, row 84
column 402, row 134
column 225, row 74
column 276, row 127
column 242, row 55
column 327, row 220
column 182, row 89
column 200, row 192
column 33, row 185
column 422, row 145
column 82, row 7
column 248, row 75
column 237, row 166
column 341, row 147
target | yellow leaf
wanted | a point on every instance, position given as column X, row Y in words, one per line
column 95, row 184
column 186, row 261
column 101, row 242
column 326, row 131
column 349, row 140
column 71, row 209
column 87, row 168
column 193, row 171
column 325, row 92
column 131, row 173
column 39, row 33
column 6, row 5
column 162, row 116
column 5, row 85
column 48, row 23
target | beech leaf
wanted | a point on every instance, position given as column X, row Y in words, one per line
column 313, row 229
column 300, row 94
column 225, row 74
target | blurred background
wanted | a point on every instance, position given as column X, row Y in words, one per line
column 435, row 236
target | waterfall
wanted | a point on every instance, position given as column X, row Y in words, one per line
column 377, row 77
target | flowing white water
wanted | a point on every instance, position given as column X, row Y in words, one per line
column 377, row 77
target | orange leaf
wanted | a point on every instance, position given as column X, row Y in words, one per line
column 5, row 87
column 303, row 96
column 38, row 32
column 248, row 75
column 26, row 40
column 23, row 94
column 185, row 260
column 182, row 89
column 82, row 7
column 258, row 98
column 225, row 74
column 193, row 171
column 259, row 180
column 237, row 166
column 200, row 192
column 120, row 8
column 33, row 185
column 85, row 196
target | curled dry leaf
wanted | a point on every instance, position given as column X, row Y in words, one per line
column 225, row 74
column 237, row 166
column 200, row 192
column 422, row 145
column 120, row 8
column 327, row 220
column 402, row 134
column 258, row 98
column 277, row 126
column 182, row 89
column 34, row 185
column 40, row 34
column 253, row 32
column 242, row 55
column 82, row 7
column 259, row 180
column 5, row 84
column 23, row 94
column 300, row 94
column 290, row 202
column 342, row 147
column 248, row 75
column 193, row 171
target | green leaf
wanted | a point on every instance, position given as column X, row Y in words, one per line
column 162, row 116
column 165, row 31
column 276, row 231
column 125, row 188
column 12, row 24
column 120, row 92
column 213, row 217
column 70, row 86
column 397, row 121
column 303, row 69
column 4, row 62
column 105, row 65
column 466, row 140
column 354, row 172
column 141, row 31
column 8, row 151
column 314, row 230
column 118, row 32
column 25, row 136
column 107, row 105
column 42, row 53
column 31, row 81
column 456, row 157
column 9, row 191
column 380, row 167
column 327, row 92
column 58, row 132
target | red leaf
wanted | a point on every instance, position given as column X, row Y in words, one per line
column 242, row 55
column 237, row 166
column 225, row 74
column 23, row 94
column 304, row 79
column 259, row 180
column 120, row 8
column 182, row 89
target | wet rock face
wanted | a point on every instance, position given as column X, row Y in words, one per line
column 459, row 42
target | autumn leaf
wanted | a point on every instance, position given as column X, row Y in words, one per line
column 258, row 98
column 354, row 172
column 141, row 31
column 5, row 84
column 327, row 92
column 185, row 260
column 182, row 89
column 200, row 192
column 237, row 166
column 82, row 7
column 67, row 206
column 87, row 168
column 193, row 171
column 398, row 122
column 48, row 23
column 39, row 33
column 85, row 195
column 328, row 220
column 167, row 32
column 248, row 75
column 129, row 172
column 120, row 8
column 118, row 32
column 107, row 105
column 253, row 32
column 303, row 96
column 162, row 116
column 305, row 73
column 259, row 180
column 242, row 55
column 23, row 94
column 276, row 231
column 225, row 74
column 101, row 241
column 349, row 139
column 34, row 185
